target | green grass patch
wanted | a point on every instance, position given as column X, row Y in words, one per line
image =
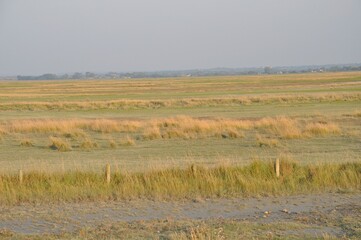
column 192, row 182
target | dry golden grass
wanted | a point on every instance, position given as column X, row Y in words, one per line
column 127, row 141
column 191, row 128
column 26, row 142
column 59, row 144
column 266, row 142
column 200, row 232
column 321, row 129
column 76, row 134
column 151, row 133
column 2, row 133
column 357, row 114
column 112, row 143
column 186, row 102
column 183, row 127
column 281, row 126
column 88, row 144
column 232, row 133
column 70, row 125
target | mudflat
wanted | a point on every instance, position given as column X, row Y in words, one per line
column 311, row 215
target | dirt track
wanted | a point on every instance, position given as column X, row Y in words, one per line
column 66, row 217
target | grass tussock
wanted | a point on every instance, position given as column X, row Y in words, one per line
column 2, row 131
column 232, row 134
column 88, row 144
column 75, row 134
column 26, row 142
column 322, row 129
column 200, row 232
column 266, row 142
column 59, row 144
column 112, row 144
column 127, row 141
column 257, row 178
column 151, row 133
column 283, row 127
column 357, row 114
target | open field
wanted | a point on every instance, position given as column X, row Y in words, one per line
column 182, row 139
column 140, row 123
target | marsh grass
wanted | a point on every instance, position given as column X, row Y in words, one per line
column 283, row 127
column 266, row 142
column 174, row 103
column 75, row 134
column 151, row 133
column 88, row 144
column 127, row 141
column 112, row 143
column 26, row 142
column 257, row 178
column 179, row 127
column 59, row 144
column 2, row 131
column 322, row 129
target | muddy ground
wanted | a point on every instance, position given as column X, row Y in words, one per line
column 317, row 215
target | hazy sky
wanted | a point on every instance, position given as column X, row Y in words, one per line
column 56, row 36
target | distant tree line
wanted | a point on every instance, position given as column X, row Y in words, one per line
column 197, row 72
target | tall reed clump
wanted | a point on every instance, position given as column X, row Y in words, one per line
column 192, row 128
column 321, row 129
column 59, row 144
column 284, row 127
column 151, row 133
column 258, row 178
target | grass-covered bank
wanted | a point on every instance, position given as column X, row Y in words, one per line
column 193, row 182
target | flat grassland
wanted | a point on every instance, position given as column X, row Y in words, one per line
column 182, row 139
column 142, row 124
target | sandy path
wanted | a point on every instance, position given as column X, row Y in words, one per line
column 68, row 217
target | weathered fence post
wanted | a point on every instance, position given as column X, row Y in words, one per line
column 20, row 176
column 107, row 173
column 193, row 169
column 277, row 167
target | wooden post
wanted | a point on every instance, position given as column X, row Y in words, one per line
column 277, row 167
column 193, row 169
column 21, row 176
column 107, row 173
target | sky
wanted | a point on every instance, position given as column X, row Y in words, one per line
column 65, row 36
